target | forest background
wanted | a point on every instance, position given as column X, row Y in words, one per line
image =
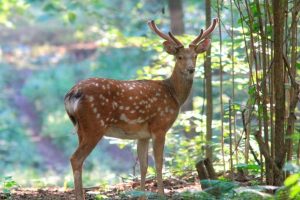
column 242, row 114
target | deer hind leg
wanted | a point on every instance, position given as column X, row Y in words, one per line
column 158, row 150
column 85, row 147
column 142, row 150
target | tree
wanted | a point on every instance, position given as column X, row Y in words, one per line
column 278, row 11
column 176, row 16
column 208, row 87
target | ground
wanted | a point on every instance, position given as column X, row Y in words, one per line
column 127, row 190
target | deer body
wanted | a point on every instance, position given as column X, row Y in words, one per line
column 124, row 109
column 139, row 110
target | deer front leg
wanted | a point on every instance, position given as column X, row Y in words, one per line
column 142, row 151
column 158, row 150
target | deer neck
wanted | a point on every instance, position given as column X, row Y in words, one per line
column 180, row 86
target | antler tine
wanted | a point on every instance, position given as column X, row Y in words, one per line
column 197, row 40
column 154, row 28
column 175, row 40
column 169, row 37
column 206, row 32
column 210, row 28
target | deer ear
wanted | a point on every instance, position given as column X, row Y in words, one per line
column 203, row 46
column 170, row 47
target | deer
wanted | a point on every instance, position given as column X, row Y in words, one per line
column 141, row 110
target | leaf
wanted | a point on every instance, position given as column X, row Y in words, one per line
column 291, row 180
column 251, row 90
column 10, row 184
column 71, row 17
column 248, row 166
column 295, row 191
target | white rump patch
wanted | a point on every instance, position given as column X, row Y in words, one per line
column 72, row 105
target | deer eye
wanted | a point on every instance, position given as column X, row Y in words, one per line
column 180, row 57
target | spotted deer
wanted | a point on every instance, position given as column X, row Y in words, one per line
column 139, row 109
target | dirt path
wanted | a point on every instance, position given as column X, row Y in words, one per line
column 128, row 190
column 52, row 157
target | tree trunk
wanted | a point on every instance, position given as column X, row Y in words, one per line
column 278, row 12
column 208, row 85
column 176, row 16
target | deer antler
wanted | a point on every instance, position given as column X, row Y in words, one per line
column 204, row 34
column 170, row 37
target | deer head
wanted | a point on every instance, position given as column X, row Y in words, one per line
column 185, row 57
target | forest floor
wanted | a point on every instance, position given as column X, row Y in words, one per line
column 129, row 190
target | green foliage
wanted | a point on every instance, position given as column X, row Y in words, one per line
column 250, row 167
column 189, row 195
column 6, row 184
column 293, row 185
column 8, row 8
column 135, row 194
column 251, row 194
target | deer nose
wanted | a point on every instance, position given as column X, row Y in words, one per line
column 191, row 70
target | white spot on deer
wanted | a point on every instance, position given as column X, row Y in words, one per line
column 165, row 101
column 121, row 107
column 154, row 98
column 127, row 108
column 114, row 105
column 103, row 87
column 162, row 113
column 102, row 123
column 157, row 94
column 96, row 84
column 137, row 107
column 91, row 98
column 166, row 109
column 106, row 100
column 98, row 115
column 95, row 110
column 107, row 119
column 159, row 108
column 108, row 86
column 136, row 97
column 172, row 111
column 118, row 93
column 102, row 103
column 133, row 111
column 141, row 92
column 135, row 121
column 131, row 88
column 123, row 90
column 130, row 98
column 101, row 96
column 92, row 105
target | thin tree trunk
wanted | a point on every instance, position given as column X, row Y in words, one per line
column 221, row 91
column 278, row 11
column 263, row 40
column 207, row 69
column 176, row 16
column 294, row 90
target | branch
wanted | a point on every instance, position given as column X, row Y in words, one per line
column 264, row 150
